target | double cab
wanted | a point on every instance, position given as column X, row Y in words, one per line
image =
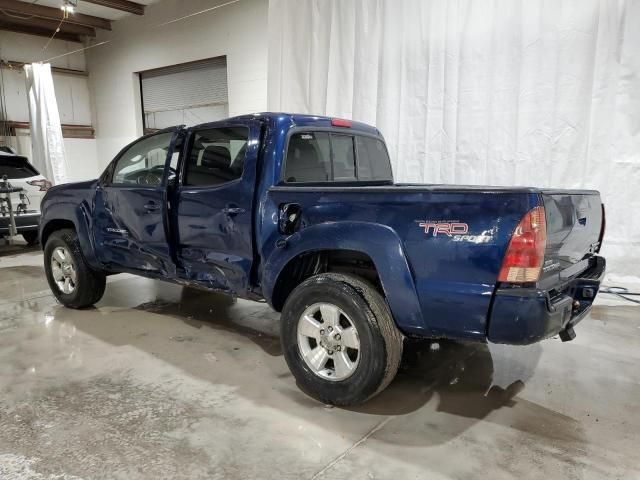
column 303, row 212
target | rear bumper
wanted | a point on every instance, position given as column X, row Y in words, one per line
column 522, row 316
column 24, row 223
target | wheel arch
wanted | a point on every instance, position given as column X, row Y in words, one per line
column 77, row 217
column 375, row 251
column 54, row 225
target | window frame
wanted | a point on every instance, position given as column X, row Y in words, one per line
column 337, row 131
column 186, row 154
column 106, row 179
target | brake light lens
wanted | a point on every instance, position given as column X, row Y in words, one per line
column 340, row 122
column 44, row 185
column 525, row 255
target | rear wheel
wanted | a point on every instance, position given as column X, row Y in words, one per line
column 31, row 237
column 339, row 339
column 70, row 278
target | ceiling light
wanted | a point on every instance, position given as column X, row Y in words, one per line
column 68, row 6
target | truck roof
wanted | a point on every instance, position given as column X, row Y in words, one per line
column 283, row 119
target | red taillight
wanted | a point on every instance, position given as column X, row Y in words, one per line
column 44, row 185
column 523, row 261
column 340, row 122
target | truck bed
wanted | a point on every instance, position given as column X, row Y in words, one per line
column 455, row 275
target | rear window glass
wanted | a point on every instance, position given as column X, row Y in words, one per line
column 308, row 158
column 373, row 159
column 328, row 156
column 344, row 158
column 16, row 167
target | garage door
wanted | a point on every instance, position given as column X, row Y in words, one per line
column 189, row 93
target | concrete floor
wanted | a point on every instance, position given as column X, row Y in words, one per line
column 164, row 382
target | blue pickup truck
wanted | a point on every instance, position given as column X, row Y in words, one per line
column 302, row 211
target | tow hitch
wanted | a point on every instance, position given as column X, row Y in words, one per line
column 567, row 334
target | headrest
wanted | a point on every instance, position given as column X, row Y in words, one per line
column 304, row 152
column 215, row 156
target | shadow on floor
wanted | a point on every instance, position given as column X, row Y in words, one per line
column 18, row 248
column 451, row 386
column 199, row 308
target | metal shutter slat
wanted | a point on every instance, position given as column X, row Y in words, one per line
column 185, row 86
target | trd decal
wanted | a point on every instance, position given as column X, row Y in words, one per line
column 444, row 228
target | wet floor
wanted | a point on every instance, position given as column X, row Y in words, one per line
column 160, row 381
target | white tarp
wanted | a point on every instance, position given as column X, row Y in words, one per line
column 505, row 92
column 46, row 131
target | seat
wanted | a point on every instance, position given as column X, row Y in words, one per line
column 303, row 163
column 214, row 167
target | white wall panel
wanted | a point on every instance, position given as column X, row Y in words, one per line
column 72, row 95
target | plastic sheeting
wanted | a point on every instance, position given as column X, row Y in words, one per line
column 46, row 132
column 536, row 93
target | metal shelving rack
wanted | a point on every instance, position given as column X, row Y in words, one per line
column 5, row 197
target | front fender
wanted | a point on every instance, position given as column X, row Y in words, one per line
column 377, row 241
column 80, row 215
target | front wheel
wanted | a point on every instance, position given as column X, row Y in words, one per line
column 73, row 282
column 339, row 339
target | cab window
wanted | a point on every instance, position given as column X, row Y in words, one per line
column 320, row 157
column 143, row 163
column 216, row 156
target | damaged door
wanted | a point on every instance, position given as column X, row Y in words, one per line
column 214, row 202
column 130, row 224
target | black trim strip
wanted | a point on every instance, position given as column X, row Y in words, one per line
column 397, row 188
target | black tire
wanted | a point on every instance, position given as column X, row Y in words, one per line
column 380, row 341
column 90, row 284
column 31, row 237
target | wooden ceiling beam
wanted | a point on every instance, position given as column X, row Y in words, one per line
column 123, row 5
column 49, row 13
column 48, row 25
column 32, row 30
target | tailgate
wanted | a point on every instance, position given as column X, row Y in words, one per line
column 574, row 223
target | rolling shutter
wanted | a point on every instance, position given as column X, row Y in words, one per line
column 177, row 93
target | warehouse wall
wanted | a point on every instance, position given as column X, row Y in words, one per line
column 238, row 30
column 72, row 94
column 506, row 92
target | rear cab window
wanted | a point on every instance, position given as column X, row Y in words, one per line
column 328, row 156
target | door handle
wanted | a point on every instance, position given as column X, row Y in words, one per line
column 151, row 206
column 233, row 210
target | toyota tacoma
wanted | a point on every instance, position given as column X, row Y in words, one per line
column 302, row 211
